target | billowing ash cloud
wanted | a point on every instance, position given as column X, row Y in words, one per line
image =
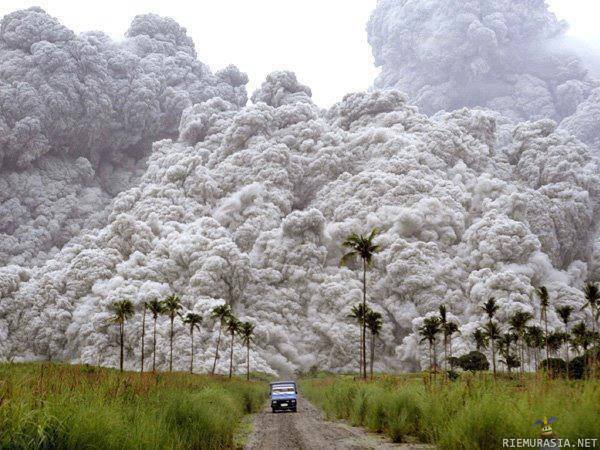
column 250, row 205
column 78, row 114
column 506, row 55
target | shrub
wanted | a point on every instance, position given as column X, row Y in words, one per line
column 473, row 361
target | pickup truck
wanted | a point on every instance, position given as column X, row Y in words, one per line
column 284, row 395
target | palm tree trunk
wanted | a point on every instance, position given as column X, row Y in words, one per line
column 143, row 337
column 217, row 350
column 546, row 342
column 121, row 345
column 192, row 353
column 372, row 354
column 430, row 359
column 248, row 360
column 154, row 347
column 171, row 345
column 434, row 360
column 567, row 360
column 522, row 368
column 364, row 322
column 493, row 352
column 445, row 353
column 231, row 357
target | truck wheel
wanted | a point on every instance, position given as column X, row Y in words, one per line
column 273, row 410
column 294, row 410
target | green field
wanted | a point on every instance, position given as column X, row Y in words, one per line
column 471, row 413
column 48, row 406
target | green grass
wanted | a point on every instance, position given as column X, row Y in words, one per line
column 48, row 406
column 469, row 414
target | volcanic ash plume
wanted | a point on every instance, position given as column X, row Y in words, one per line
column 249, row 206
column 78, row 114
column 506, row 55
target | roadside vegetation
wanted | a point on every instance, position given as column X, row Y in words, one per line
column 51, row 406
column 474, row 412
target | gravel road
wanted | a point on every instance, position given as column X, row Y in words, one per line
column 307, row 430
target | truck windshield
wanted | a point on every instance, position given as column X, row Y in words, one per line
column 284, row 390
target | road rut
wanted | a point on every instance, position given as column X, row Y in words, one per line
column 307, row 430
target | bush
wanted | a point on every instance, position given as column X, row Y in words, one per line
column 556, row 366
column 473, row 361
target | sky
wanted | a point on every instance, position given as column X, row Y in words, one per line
column 323, row 41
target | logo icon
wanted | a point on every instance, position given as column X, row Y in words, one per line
column 545, row 424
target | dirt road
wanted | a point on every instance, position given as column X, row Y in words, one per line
column 306, row 430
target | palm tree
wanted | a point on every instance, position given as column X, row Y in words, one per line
column 193, row 320
column 247, row 333
column 156, row 308
column 592, row 301
column 357, row 312
column 518, row 323
column 450, row 329
column 122, row 310
column 429, row 331
column 493, row 333
column 221, row 313
column 363, row 247
column 542, row 293
column 490, row 308
column 233, row 327
column 481, row 339
column 555, row 342
column 535, row 339
column 374, row 324
column 171, row 305
column 145, row 307
column 504, row 346
column 581, row 337
column 443, row 323
column 564, row 312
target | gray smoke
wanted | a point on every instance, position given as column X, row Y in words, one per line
column 250, row 205
column 78, row 114
column 510, row 56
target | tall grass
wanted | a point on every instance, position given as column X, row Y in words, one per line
column 46, row 406
column 465, row 415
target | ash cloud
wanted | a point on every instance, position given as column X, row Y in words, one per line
column 509, row 56
column 249, row 206
column 78, row 114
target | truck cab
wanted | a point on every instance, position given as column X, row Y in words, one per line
column 284, row 395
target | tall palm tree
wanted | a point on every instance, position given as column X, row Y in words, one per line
column 247, row 333
column 555, row 342
column 493, row 333
column 361, row 246
column 481, row 339
column 450, row 329
column 490, row 307
column 518, row 323
column 193, row 320
column 220, row 313
column 374, row 324
column 144, row 308
column 122, row 310
column 564, row 312
column 542, row 293
column 358, row 313
column 592, row 301
column 156, row 308
column 504, row 347
column 535, row 339
column 443, row 323
column 233, row 327
column 171, row 305
column 429, row 331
